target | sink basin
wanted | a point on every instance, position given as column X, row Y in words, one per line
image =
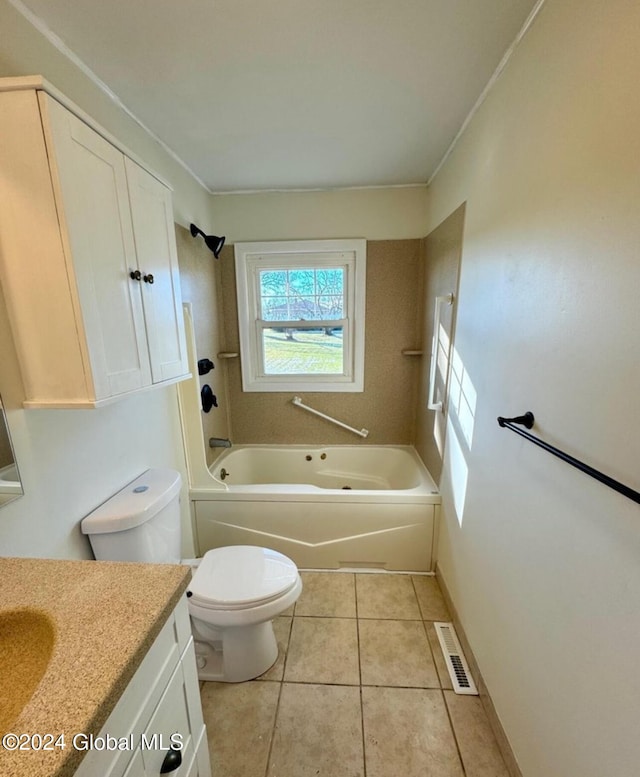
column 27, row 637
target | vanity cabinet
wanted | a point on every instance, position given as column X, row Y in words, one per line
column 88, row 263
column 158, row 712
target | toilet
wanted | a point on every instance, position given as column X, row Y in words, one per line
column 235, row 591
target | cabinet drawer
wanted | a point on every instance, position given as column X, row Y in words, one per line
column 168, row 728
column 194, row 763
column 131, row 714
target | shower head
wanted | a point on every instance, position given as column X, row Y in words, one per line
column 213, row 242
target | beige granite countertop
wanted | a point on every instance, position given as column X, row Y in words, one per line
column 105, row 616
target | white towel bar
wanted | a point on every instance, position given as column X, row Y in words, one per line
column 298, row 402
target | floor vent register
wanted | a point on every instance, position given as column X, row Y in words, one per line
column 455, row 660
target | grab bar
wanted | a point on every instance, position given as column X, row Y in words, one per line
column 431, row 403
column 298, row 402
column 528, row 420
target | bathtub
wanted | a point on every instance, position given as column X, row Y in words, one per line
column 343, row 506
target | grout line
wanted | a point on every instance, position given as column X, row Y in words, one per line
column 453, row 730
column 275, row 717
column 281, row 684
column 365, row 571
column 426, row 621
column 357, row 685
column 273, row 730
column 415, row 591
column 332, row 617
column 419, row 619
column 358, row 643
column 431, row 653
column 337, row 683
column 286, row 654
column 364, row 743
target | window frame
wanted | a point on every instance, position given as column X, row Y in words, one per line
column 252, row 257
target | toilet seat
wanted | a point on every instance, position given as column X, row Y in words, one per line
column 241, row 577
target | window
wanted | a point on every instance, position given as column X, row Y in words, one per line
column 301, row 315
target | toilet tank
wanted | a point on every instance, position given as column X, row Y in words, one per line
column 139, row 523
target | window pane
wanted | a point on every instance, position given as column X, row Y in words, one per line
column 301, row 294
column 275, row 309
column 330, row 281
column 332, row 307
column 301, row 282
column 303, row 351
column 273, row 283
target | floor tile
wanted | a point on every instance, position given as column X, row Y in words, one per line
column 407, row 732
column 323, row 650
column 396, row 653
column 282, row 630
column 478, row 747
column 324, row 653
column 432, row 604
column 239, row 718
column 386, row 596
column 326, row 594
column 318, row 732
column 441, row 665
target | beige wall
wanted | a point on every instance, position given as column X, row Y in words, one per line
column 544, row 569
column 200, row 278
column 440, row 263
column 385, row 407
column 389, row 213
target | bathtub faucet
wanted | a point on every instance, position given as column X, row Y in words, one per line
column 219, row 442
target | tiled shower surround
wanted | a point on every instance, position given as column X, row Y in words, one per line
column 360, row 689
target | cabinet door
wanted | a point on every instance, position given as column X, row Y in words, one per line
column 90, row 185
column 135, row 767
column 169, row 727
column 155, row 240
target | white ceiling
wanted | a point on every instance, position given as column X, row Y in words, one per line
column 294, row 94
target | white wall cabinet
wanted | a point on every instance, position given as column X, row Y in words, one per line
column 89, row 263
column 160, row 706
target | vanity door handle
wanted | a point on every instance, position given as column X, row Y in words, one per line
column 172, row 761
column 135, row 275
column 147, row 278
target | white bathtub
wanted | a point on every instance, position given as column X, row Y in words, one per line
column 326, row 507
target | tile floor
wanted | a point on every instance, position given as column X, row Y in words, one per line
column 359, row 689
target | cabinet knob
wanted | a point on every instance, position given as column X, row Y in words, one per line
column 147, row 278
column 135, row 275
column 172, row 761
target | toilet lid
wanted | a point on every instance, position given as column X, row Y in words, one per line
column 241, row 576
